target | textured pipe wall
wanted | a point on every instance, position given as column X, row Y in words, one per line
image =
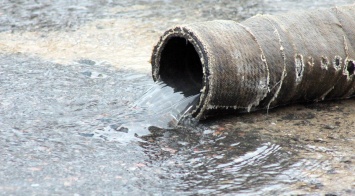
column 269, row 60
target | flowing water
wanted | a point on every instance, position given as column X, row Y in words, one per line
column 164, row 105
column 80, row 114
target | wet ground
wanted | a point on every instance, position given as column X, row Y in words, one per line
column 70, row 72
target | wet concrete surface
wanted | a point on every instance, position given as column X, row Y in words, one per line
column 69, row 72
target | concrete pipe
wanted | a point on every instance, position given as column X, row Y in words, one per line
column 263, row 62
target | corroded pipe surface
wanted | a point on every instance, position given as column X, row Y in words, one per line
column 263, row 62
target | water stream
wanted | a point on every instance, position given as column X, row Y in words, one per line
column 160, row 106
column 164, row 106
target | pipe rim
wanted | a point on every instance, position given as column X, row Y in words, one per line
column 200, row 49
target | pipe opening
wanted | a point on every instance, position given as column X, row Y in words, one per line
column 180, row 66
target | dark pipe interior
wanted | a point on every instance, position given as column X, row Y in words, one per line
column 180, row 66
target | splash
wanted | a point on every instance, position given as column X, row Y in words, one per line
column 161, row 106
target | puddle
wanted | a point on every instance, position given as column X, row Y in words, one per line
column 89, row 114
column 49, row 107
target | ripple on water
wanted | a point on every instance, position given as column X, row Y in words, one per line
column 209, row 162
column 66, row 97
